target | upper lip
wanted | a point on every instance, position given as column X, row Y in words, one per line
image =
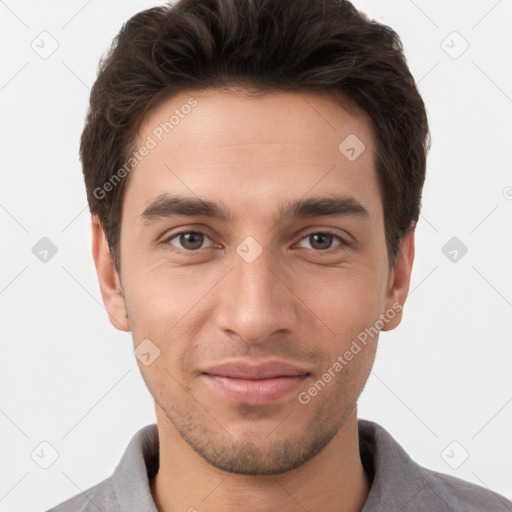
column 265, row 370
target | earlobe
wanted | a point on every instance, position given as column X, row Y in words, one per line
column 110, row 284
column 399, row 280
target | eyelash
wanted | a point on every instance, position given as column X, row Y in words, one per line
column 343, row 243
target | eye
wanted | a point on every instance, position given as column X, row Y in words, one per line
column 322, row 241
column 187, row 240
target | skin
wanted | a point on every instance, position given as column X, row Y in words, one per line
column 296, row 302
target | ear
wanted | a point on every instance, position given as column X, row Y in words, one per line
column 110, row 284
column 400, row 279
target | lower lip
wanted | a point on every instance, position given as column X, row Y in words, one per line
column 255, row 392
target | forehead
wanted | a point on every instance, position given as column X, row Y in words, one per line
column 281, row 144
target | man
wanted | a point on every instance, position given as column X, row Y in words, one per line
column 254, row 172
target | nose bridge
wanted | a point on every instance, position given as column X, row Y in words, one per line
column 255, row 303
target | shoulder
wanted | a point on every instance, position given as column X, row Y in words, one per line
column 458, row 494
column 399, row 483
column 99, row 497
column 128, row 488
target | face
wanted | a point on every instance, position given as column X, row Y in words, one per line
column 254, row 271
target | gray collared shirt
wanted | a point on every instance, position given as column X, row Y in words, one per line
column 398, row 484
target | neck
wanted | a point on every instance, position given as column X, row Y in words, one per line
column 333, row 480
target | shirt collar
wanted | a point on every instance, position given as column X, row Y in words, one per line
column 139, row 464
column 396, row 480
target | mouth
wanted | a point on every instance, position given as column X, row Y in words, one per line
column 249, row 384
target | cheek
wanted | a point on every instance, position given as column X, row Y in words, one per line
column 345, row 300
column 158, row 297
column 167, row 306
column 336, row 390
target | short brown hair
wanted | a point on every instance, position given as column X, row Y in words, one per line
column 265, row 45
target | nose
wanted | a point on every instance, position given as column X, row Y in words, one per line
column 256, row 299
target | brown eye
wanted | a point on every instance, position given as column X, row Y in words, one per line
column 321, row 241
column 189, row 241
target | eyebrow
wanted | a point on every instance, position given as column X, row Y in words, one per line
column 166, row 205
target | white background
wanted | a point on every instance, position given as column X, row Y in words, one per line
column 69, row 378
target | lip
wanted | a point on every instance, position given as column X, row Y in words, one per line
column 255, row 384
column 246, row 370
